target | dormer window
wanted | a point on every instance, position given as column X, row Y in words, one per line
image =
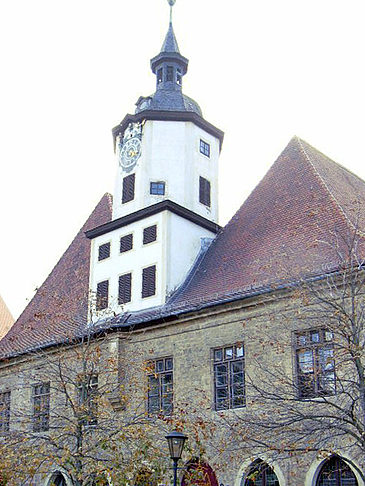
column 169, row 73
column 159, row 76
column 178, row 77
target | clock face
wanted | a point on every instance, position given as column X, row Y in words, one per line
column 130, row 152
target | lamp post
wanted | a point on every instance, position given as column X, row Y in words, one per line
column 176, row 441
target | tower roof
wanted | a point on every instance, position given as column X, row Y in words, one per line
column 170, row 42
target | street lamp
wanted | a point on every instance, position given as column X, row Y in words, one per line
column 176, row 441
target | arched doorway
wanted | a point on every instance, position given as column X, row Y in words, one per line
column 260, row 474
column 199, row 473
column 335, row 472
column 57, row 479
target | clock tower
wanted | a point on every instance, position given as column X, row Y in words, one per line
column 165, row 204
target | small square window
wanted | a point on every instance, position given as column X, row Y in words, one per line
column 104, row 251
column 204, row 148
column 157, row 188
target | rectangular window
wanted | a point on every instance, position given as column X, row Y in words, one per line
column 169, row 73
column 159, row 76
column 149, row 281
column 126, row 243
column 315, row 364
column 125, row 288
column 4, row 412
column 160, row 386
column 41, row 394
column 229, row 377
column 128, row 188
column 178, row 77
column 88, row 390
column 104, row 251
column 102, row 295
column 149, row 234
column 204, row 191
column 157, row 188
column 204, row 148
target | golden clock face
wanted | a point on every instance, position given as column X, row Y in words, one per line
column 130, row 152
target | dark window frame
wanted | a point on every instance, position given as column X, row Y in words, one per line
column 160, row 395
column 102, row 295
column 41, row 394
column 204, row 148
column 229, row 377
column 104, row 251
column 148, row 291
column 125, row 296
column 157, row 188
column 150, row 234
column 314, row 343
column 204, row 191
column 128, row 189
column 5, row 404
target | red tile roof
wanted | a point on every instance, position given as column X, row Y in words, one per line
column 285, row 228
column 59, row 307
column 282, row 232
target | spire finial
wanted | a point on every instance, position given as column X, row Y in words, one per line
column 171, row 3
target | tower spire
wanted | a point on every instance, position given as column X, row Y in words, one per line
column 171, row 3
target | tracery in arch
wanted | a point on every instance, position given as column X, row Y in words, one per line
column 260, row 474
column 335, row 472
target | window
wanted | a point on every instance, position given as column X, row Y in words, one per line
column 4, row 411
column 160, row 386
column 102, row 295
column 335, row 472
column 229, row 377
column 315, row 363
column 261, row 474
column 125, row 288
column 169, row 73
column 88, row 389
column 204, row 148
column 204, row 191
column 157, row 188
column 41, row 394
column 104, row 251
column 149, row 281
column 128, row 188
column 149, row 234
column 126, row 243
column 159, row 76
column 178, row 77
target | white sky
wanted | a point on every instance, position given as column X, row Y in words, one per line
column 262, row 71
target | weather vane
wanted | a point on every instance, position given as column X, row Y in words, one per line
column 171, row 3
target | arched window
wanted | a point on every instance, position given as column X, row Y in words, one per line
column 58, row 480
column 335, row 472
column 261, row 474
column 199, row 474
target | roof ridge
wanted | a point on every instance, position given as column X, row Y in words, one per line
column 324, row 184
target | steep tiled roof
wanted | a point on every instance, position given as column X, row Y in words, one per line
column 285, row 230
column 6, row 319
column 60, row 305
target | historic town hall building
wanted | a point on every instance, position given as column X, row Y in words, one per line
column 217, row 312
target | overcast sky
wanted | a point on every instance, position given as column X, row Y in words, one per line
column 262, row 71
